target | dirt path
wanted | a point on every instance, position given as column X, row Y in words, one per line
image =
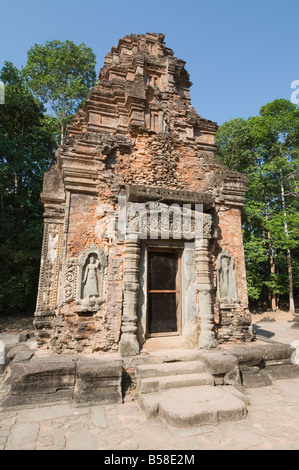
column 16, row 323
column 278, row 315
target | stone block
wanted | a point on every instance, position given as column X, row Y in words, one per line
column 251, row 355
column 23, row 437
column 98, row 381
column 219, row 362
column 24, row 336
column 277, row 351
column 46, row 380
column 253, row 377
column 285, row 371
column 169, row 368
column 19, row 353
column 194, row 406
column 64, row 379
column 232, row 377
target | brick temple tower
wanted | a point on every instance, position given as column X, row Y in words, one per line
column 114, row 276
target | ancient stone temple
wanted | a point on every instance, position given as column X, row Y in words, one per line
column 142, row 225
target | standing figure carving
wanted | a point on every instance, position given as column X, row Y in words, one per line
column 90, row 281
column 226, row 278
column 91, row 271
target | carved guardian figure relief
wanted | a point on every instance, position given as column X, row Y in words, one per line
column 91, row 271
column 226, row 278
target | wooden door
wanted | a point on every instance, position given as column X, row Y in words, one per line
column 164, row 293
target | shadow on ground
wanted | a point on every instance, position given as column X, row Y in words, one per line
column 263, row 333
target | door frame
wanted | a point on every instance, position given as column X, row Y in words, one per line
column 178, row 291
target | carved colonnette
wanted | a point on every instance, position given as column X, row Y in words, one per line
column 53, row 198
column 204, row 287
column 128, row 345
column 49, row 271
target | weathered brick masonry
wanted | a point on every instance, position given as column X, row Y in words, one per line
column 137, row 136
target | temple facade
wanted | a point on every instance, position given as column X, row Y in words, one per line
column 142, row 225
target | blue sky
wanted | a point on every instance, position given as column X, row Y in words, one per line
column 240, row 54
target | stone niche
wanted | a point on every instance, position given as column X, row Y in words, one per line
column 116, row 273
column 90, row 280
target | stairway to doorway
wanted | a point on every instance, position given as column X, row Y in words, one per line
column 182, row 391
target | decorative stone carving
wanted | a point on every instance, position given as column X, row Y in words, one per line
column 70, row 277
column 92, row 264
column 128, row 345
column 158, row 220
column 226, row 278
column 207, row 338
column 90, row 281
column 48, row 282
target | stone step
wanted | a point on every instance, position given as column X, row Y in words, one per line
column 195, row 406
column 157, row 384
column 169, row 368
column 162, row 356
column 176, row 355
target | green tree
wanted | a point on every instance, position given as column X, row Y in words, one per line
column 277, row 132
column 61, row 75
column 26, row 152
column 237, row 150
column 265, row 147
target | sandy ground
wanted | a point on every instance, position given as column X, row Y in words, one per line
column 16, row 323
column 278, row 315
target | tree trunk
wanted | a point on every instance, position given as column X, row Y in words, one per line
column 272, row 295
column 62, row 136
column 289, row 257
column 2, row 202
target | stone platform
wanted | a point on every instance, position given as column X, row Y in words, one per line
column 184, row 387
column 187, row 388
column 61, row 379
column 271, row 424
column 196, row 405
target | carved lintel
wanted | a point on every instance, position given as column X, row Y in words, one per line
column 156, row 220
column 169, row 196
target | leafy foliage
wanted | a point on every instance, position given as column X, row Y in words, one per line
column 60, row 74
column 265, row 147
column 26, row 152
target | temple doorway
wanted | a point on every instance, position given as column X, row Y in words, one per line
column 164, row 293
